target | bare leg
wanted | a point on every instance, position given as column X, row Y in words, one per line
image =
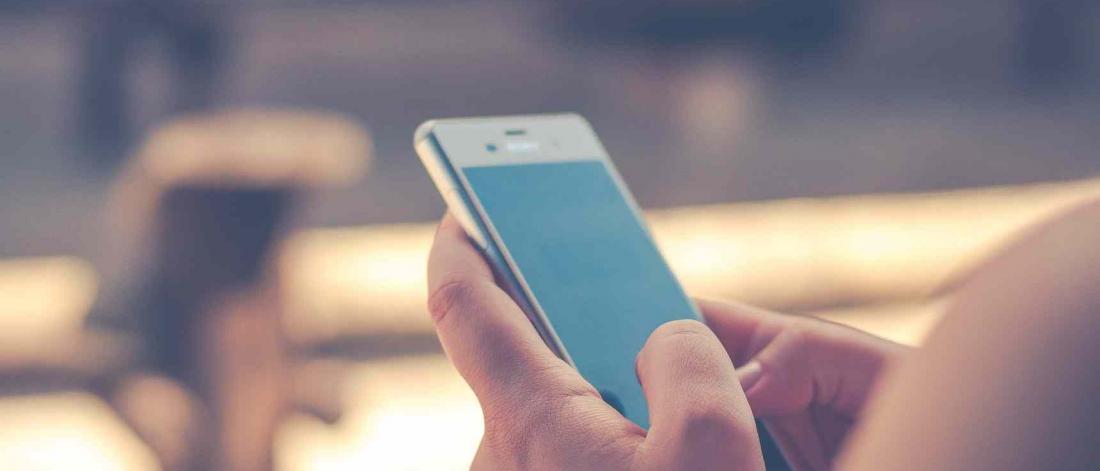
column 1010, row 380
column 243, row 357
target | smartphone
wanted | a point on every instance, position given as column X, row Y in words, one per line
column 541, row 198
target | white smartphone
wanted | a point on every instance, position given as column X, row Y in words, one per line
column 539, row 195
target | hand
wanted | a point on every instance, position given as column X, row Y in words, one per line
column 807, row 379
column 541, row 414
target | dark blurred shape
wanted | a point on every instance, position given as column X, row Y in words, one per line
column 773, row 456
column 194, row 34
column 786, row 27
column 210, row 241
column 214, row 192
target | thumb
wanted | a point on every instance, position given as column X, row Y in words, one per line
column 700, row 418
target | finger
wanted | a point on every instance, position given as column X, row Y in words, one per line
column 453, row 256
column 779, row 378
column 749, row 374
column 487, row 337
column 766, row 353
column 697, row 408
column 743, row 329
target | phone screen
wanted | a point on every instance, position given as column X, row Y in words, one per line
column 589, row 264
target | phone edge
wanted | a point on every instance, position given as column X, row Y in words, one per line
column 439, row 167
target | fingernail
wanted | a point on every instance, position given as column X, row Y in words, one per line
column 750, row 374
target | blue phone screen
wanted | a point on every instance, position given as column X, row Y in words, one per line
column 589, row 263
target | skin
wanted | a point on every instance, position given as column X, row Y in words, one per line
column 807, row 379
column 1008, row 381
column 539, row 412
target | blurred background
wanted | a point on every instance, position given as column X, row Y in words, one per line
column 213, row 227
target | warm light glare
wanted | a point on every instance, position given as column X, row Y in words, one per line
column 67, row 431
column 905, row 323
column 370, row 279
column 43, row 300
column 891, row 251
column 409, row 414
column 874, row 262
column 790, row 254
column 798, row 254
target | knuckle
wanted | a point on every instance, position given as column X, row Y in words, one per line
column 544, row 425
column 511, row 432
column 800, row 337
column 503, row 440
column 558, row 379
column 800, row 331
column 449, row 297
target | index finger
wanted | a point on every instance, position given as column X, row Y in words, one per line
column 485, row 334
column 453, row 257
column 743, row 329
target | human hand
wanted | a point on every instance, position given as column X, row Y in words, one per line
column 807, row 379
column 541, row 414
